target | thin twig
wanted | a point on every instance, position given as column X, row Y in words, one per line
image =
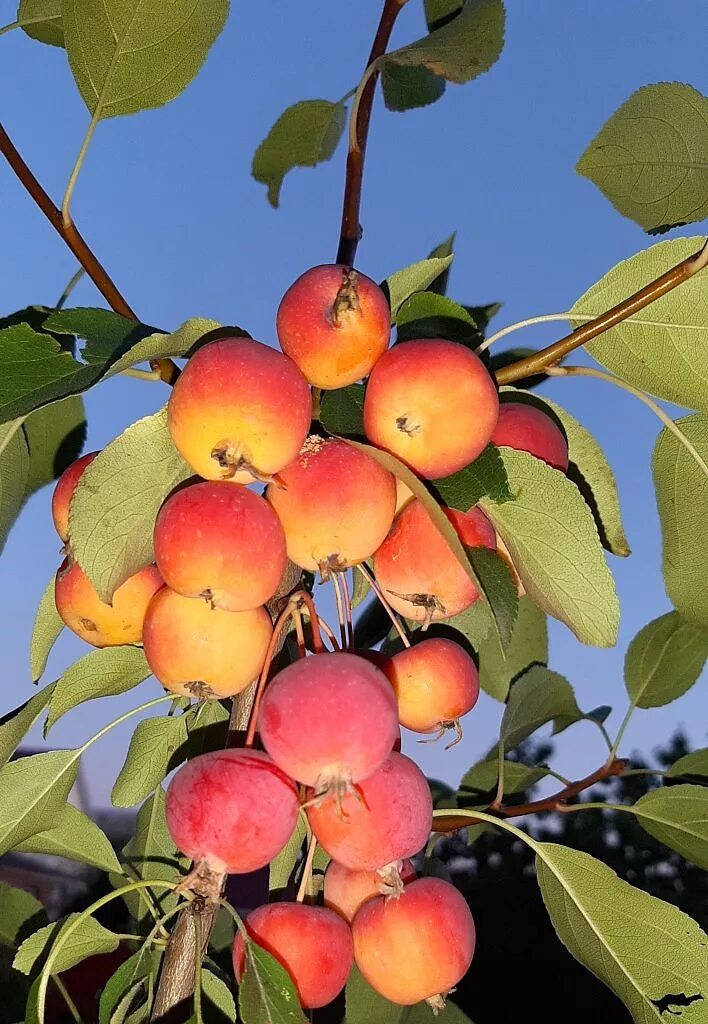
column 550, row 356
column 169, row 371
column 348, row 612
column 307, row 869
column 556, row 802
column 72, row 283
column 387, row 607
column 590, row 371
column 350, row 232
column 337, row 585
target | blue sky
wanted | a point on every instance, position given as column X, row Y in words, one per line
column 167, row 201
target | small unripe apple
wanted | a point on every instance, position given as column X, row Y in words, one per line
column 99, row 624
column 239, row 411
column 419, row 574
column 232, row 810
column 528, row 429
column 433, row 404
column 334, row 322
column 336, row 505
column 64, row 491
column 198, row 651
column 313, row 944
column 418, row 946
column 222, row 543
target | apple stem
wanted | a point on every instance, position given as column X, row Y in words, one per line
column 389, row 610
column 306, row 870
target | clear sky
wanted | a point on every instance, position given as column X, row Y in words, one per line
column 167, row 201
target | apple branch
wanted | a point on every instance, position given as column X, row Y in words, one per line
column 613, row 767
column 168, row 370
column 350, row 232
column 552, row 355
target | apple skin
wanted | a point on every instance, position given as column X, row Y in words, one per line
column 334, row 323
column 100, row 624
column 239, row 411
column 527, row 429
column 431, row 403
column 64, row 491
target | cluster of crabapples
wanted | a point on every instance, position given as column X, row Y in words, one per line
column 241, row 414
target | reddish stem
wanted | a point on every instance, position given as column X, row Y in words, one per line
column 350, row 232
column 280, row 624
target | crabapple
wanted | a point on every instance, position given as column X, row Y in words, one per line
column 345, row 890
column 436, row 682
column 432, row 403
column 421, row 577
column 300, row 706
column 313, row 944
column 528, row 429
column 418, row 946
column 198, row 651
column 104, row 625
column 387, row 819
column 64, row 491
column 222, row 543
column 239, row 411
column 232, row 810
column 334, row 323
column 336, row 505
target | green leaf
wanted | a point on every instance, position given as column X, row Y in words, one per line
column 590, row 472
column 118, row 343
column 129, row 55
column 20, row 913
column 103, row 673
column 415, row 278
column 439, row 285
column 33, row 792
column 498, row 668
column 485, row 477
column 463, row 49
column 678, row 817
column 651, row 158
column 661, row 348
column 266, row 994
column 554, row 546
column 282, row 866
column 365, row 1006
column 207, row 727
column 75, row 837
column 483, row 314
column 682, row 497
column 405, row 88
column 45, row 632
column 218, row 993
column 55, row 436
column 88, row 939
column 41, row 20
column 341, row 411
column 151, row 755
column 115, row 504
column 150, row 854
column 14, row 473
column 438, row 12
column 360, row 588
column 303, row 136
column 652, row 956
column 15, row 725
column 483, row 777
column 36, row 369
column 135, row 969
column 499, row 588
column 664, row 660
column 429, row 315
column 537, row 697
column 695, row 763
